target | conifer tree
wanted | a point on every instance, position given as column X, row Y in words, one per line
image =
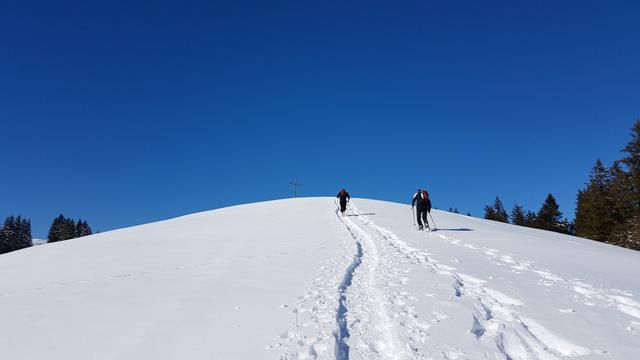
column 62, row 229
column 632, row 160
column 501, row 213
column 82, row 228
column 530, row 219
column 7, row 234
column 24, row 239
column 628, row 233
column 608, row 209
column 4, row 246
column 594, row 219
column 15, row 234
column 496, row 211
column 489, row 213
column 517, row 215
column 54, row 230
column 620, row 190
column 549, row 217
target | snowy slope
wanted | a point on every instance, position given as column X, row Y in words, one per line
column 37, row 242
column 293, row 279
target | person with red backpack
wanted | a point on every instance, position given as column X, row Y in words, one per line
column 423, row 207
column 344, row 197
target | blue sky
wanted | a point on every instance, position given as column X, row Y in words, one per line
column 124, row 113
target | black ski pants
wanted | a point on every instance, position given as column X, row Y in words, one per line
column 421, row 214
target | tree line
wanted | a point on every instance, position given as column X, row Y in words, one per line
column 549, row 217
column 607, row 209
column 15, row 233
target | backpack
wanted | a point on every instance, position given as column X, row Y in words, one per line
column 424, row 195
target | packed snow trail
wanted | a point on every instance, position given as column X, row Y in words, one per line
column 371, row 328
column 364, row 328
column 342, row 333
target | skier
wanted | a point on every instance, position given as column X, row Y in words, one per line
column 423, row 207
column 344, row 197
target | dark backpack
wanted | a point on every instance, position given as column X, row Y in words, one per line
column 424, row 197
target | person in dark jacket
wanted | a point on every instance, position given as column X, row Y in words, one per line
column 344, row 197
column 423, row 207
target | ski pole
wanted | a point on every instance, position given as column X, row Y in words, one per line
column 434, row 223
column 413, row 217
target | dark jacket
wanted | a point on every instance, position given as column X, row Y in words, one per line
column 343, row 196
column 420, row 202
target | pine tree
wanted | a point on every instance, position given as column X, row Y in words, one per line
column 517, row 215
column 628, row 234
column 4, row 246
column 608, row 209
column 594, row 219
column 15, row 234
column 620, row 190
column 496, row 212
column 549, row 217
column 62, row 229
column 501, row 213
column 7, row 234
column 78, row 229
column 622, row 209
column 82, row 228
column 68, row 229
column 530, row 219
column 632, row 160
column 54, row 230
column 489, row 212
column 23, row 239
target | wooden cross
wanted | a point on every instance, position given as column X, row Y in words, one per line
column 295, row 187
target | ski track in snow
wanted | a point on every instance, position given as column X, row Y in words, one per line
column 316, row 315
column 362, row 327
column 342, row 333
column 370, row 327
column 497, row 317
column 358, row 306
column 584, row 293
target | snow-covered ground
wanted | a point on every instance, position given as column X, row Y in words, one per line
column 293, row 279
column 37, row 242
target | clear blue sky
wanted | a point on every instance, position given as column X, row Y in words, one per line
column 125, row 112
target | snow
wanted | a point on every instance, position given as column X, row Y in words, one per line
column 292, row 279
column 37, row 242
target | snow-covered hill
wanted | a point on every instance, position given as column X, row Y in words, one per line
column 293, row 279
